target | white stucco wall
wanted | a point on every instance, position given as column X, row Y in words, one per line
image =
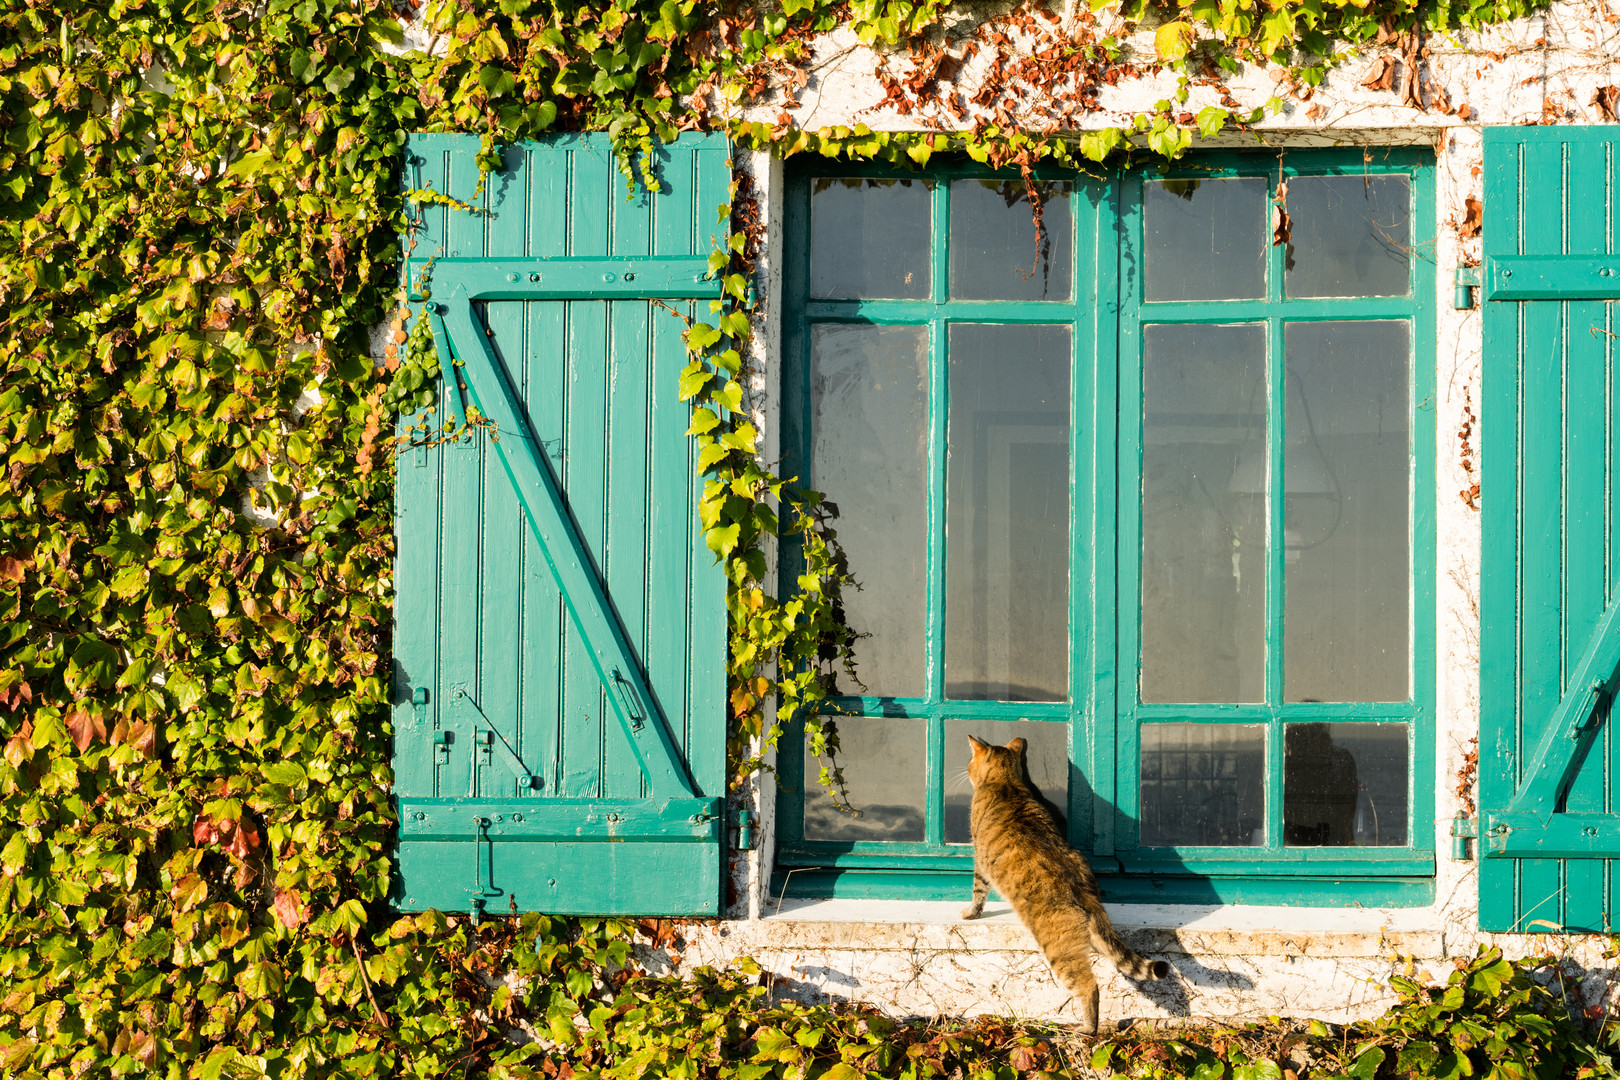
column 1235, row 961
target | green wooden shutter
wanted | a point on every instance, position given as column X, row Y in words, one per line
column 1550, row 625
column 559, row 626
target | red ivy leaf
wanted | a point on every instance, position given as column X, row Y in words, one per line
column 11, row 567
column 289, row 908
column 204, row 833
column 19, row 748
column 244, row 838
column 85, row 727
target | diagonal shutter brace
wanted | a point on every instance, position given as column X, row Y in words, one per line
column 1533, row 825
column 467, row 357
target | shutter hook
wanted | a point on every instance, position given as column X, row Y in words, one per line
column 632, row 703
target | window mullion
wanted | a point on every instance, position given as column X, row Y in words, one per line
column 938, row 455
column 1276, row 564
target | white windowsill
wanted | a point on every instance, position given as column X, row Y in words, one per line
column 1154, row 929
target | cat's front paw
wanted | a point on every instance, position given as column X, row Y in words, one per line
column 972, row 911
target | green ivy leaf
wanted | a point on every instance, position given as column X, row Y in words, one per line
column 703, row 422
column 286, row 773
column 694, row 377
column 1097, row 145
column 1211, row 119
column 1367, row 1063
column 1173, row 41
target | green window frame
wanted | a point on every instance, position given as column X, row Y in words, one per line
column 1108, row 316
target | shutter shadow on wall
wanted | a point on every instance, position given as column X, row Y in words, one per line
column 559, row 678
column 1550, row 625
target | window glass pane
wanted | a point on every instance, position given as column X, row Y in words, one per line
column 1350, row 236
column 869, row 455
column 1203, row 513
column 1205, row 239
column 1344, row 785
column 869, row 239
column 994, row 253
column 1203, row 784
column 1047, row 756
column 884, row 763
column 1007, row 514
column 1345, row 513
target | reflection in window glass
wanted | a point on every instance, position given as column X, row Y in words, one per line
column 1047, row 757
column 869, row 239
column 882, row 760
column 1345, row 785
column 1351, row 236
column 1205, row 239
column 1007, row 514
column 994, row 249
column 1203, row 785
column 1346, row 461
column 1203, row 513
column 869, row 454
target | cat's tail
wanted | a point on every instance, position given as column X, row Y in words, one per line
column 1106, row 940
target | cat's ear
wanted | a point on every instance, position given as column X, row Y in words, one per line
column 979, row 747
column 1017, row 745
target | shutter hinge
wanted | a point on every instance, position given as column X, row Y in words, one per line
column 1465, row 279
column 1463, row 829
column 745, row 830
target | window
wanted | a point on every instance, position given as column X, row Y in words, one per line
column 1143, row 487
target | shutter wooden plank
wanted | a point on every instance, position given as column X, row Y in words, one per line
column 1586, row 411
column 1605, row 750
column 584, row 718
column 591, row 179
column 501, row 626
column 544, row 618
column 628, row 404
column 545, row 372
column 708, row 608
column 460, row 524
column 669, row 529
column 629, row 387
column 417, row 480
column 1540, row 883
column 1499, row 560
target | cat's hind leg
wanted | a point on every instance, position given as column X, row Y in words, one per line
column 1070, row 957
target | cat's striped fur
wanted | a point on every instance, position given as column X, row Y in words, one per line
column 1019, row 850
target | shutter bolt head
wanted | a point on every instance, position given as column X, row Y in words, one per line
column 497, row 817
column 609, row 277
column 552, row 882
column 534, row 277
column 511, row 277
column 1507, row 273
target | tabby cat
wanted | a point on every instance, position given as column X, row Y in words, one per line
column 1019, row 849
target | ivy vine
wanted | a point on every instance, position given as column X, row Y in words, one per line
column 199, row 230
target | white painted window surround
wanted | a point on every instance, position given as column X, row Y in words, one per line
column 1235, row 961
